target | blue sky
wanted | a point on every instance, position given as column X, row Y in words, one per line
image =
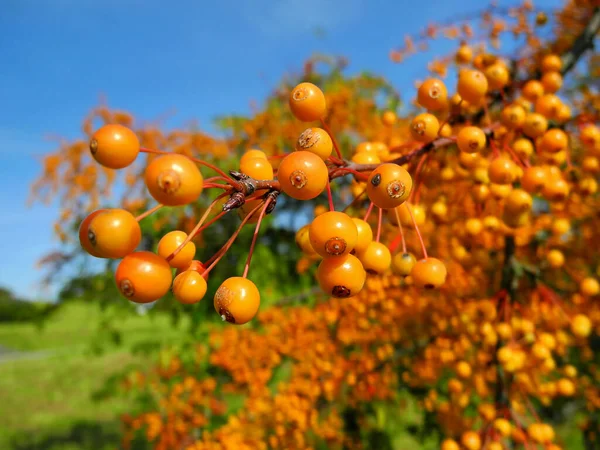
column 196, row 58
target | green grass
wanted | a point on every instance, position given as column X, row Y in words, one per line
column 48, row 396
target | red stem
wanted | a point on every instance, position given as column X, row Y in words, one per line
column 255, row 237
column 369, row 211
column 412, row 217
column 379, row 222
column 330, row 196
column 335, row 145
column 401, row 231
column 147, row 213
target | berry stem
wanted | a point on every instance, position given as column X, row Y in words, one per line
column 149, row 212
column 196, row 228
column 219, row 254
column 330, row 196
column 369, row 209
column 412, row 218
column 255, row 236
column 335, row 144
column 401, row 231
column 379, row 222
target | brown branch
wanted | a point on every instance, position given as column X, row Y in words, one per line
column 584, row 42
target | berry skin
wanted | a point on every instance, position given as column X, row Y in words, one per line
column 449, row 444
column 548, row 105
column 389, row 185
column 502, row 171
column 303, row 175
column 143, row 277
column 403, row 263
column 471, row 140
column 556, row 190
column 237, row 300
column 257, row 168
column 303, row 241
column 589, row 287
column 429, row 273
column 195, row 266
column 376, row 259
column 472, row 86
column 553, row 141
column 464, row 54
column 174, row 180
column 114, row 233
column 189, row 287
column 341, row 277
column 471, row 440
column 365, row 235
column 534, row 179
column 254, row 153
column 432, row 95
column 307, row 102
column 497, row 76
column 84, row 228
column 513, row 116
column 114, row 146
column 518, row 202
column 581, row 326
column 424, row 127
column 532, row 90
column 366, row 158
column 552, row 82
column 555, row 259
column 523, row 147
column 389, row 118
column 535, row 125
column 551, row 63
column 170, row 242
column 333, row 234
column 317, row 141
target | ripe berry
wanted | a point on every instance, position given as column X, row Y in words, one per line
column 472, row 86
column 114, row 233
column 376, row 258
column 366, row 158
column 532, row 90
column 84, row 229
column 589, row 287
column 365, row 147
column 556, row 190
column 189, row 287
column 497, row 76
column 548, row 105
column 317, row 141
column 535, row 125
column 389, row 118
column 341, row 277
column 552, row 82
column 523, row 147
column 114, row 146
column 403, row 263
column 257, row 168
column 554, row 140
column 418, row 213
column 252, row 154
column 432, row 95
column 174, row 180
column 143, row 277
column 303, row 241
column 449, row 444
column 464, row 54
column 424, row 127
column 502, row 171
column 307, row 102
column 170, row 242
column 196, row 266
column 429, row 273
column 551, row 63
column 471, row 140
column 333, row 234
column 303, row 175
column 518, row 202
column 581, row 326
column 365, row 235
column 513, row 116
column 473, row 226
column 534, row 179
column 389, row 185
column 237, row 300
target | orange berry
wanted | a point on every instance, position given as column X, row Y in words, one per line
column 365, row 235
column 333, row 234
column 556, row 190
column 552, row 82
column 403, row 263
column 464, row 54
column 581, row 326
column 463, row 370
column 523, row 147
column 513, row 116
column 535, row 125
column 518, row 202
column 303, row 175
column 589, row 287
column 307, row 102
column 472, row 86
column 471, row 440
column 429, row 273
column 502, row 171
column 257, row 168
column 424, row 127
column 551, row 63
column 389, row 185
column 196, row 266
column 497, row 76
column 376, row 258
column 303, row 241
column 534, row 179
column 389, row 118
column 502, row 426
column 590, row 137
column 553, row 141
column 341, row 277
column 317, row 141
column 366, row 158
column 449, row 444
column 252, row 154
column 174, row 180
column 143, row 277
column 365, row 147
column 84, row 230
column 432, row 95
column 237, row 300
column 114, row 146
column 170, row 242
column 548, row 106
column 114, row 233
column 471, row 140
column 189, row 287
column 532, row 90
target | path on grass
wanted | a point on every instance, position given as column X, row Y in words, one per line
column 9, row 354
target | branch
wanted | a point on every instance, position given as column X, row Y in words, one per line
column 584, row 42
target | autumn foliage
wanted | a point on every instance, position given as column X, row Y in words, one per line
column 463, row 270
